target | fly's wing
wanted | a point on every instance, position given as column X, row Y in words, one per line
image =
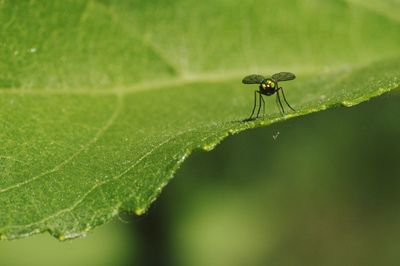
column 253, row 79
column 282, row 76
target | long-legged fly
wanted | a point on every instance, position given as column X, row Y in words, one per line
column 268, row 86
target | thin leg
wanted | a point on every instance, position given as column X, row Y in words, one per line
column 259, row 105
column 262, row 99
column 254, row 106
column 284, row 98
column 279, row 100
column 277, row 104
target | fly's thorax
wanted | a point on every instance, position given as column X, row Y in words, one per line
column 268, row 86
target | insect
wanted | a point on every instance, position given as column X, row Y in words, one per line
column 268, row 86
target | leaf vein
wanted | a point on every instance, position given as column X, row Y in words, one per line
column 99, row 184
column 83, row 148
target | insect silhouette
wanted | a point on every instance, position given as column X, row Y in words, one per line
column 268, row 86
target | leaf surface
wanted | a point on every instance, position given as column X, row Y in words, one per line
column 101, row 101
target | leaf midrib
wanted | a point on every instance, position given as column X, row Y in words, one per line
column 186, row 80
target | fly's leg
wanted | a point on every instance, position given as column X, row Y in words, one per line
column 262, row 99
column 278, row 98
column 254, row 106
column 277, row 104
column 284, row 98
column 259, row 104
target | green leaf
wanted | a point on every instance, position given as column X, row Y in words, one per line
column 101, row 101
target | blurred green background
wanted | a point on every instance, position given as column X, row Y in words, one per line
column 316, row 190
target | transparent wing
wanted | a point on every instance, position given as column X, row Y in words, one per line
column 253, row 79
column 282, row 76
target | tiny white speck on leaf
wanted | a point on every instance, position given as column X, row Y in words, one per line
column 276, row 135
